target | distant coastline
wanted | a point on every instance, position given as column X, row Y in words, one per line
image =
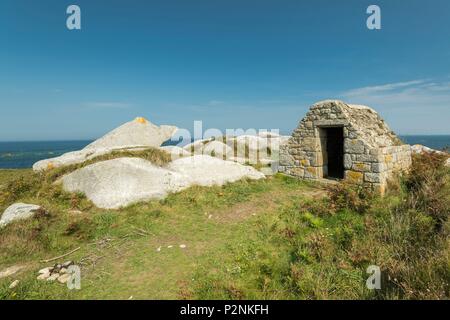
column 23, row 154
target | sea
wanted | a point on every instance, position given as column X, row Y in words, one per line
column 19, row 155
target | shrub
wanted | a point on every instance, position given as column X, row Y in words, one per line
column 19, row 188
column 348, row 196
column 427, row 186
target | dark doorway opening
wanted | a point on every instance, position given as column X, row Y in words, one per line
column 335, row 152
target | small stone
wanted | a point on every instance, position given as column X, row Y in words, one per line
column 10, row 271
column 182, row 246
column 46, row 270
column 75, row 212
column 210, row 216
column 43, row 276
column 63, row 271
column 64, row 278
column 18, row 211
column 56, row 268
column 53, row 277
column 169, row 247
column 14, row 284
column 159, row 249
column 67, row 264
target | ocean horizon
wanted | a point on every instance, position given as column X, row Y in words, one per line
column 23, row 154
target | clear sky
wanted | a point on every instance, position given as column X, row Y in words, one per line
column 231, row 63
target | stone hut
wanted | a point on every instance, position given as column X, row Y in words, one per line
column 336, row 140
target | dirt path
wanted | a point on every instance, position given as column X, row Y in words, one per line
column 262, row 202
column 156, row 267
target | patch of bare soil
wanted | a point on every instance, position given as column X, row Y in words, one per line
column 260, row 203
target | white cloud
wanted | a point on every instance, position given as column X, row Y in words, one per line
column 417, row 106
column 382, row 88
column 108, row 105
column 215, row 103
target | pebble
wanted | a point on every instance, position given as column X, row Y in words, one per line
column 75, row 212
column 67, row 264
column 64, row 278
column 45, row 270
column 43, row 276
column 53, row 277
column 57, row 272
column 169, row 247
column 10, row 271
column 159, row 249
column 14, row 284
column 182, row 246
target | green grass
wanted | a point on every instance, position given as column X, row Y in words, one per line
column 154, row 155
column 277, row 238
column 206, row 220
column 24, row 184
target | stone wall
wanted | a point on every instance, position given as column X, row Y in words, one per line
column 376, row 168
column 372, row 153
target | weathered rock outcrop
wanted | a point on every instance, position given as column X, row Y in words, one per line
column 136, row 134
column 218, row 149
column 261, row 148
column 18, row 211
column 176, row 152
column 204, row 170
column 139, row 132
column 116, row 183
column 120, row 182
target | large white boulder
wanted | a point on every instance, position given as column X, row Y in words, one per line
column 252, row 142
column 120, row 182
column 139, row 132
column 261, row 148
column 268, row 134
column 218, row 149
column 18, row 211
column 210, row 147
column 255, row 148
column 134, row 135
column 204, row 170
column 197, row 146
column 176, row 152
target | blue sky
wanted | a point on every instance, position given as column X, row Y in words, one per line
column 231, row 63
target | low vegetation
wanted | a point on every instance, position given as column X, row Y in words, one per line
column 277, row 238
column 42, row 184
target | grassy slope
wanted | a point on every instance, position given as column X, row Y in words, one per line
column 276, row 239
column 209, row 221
